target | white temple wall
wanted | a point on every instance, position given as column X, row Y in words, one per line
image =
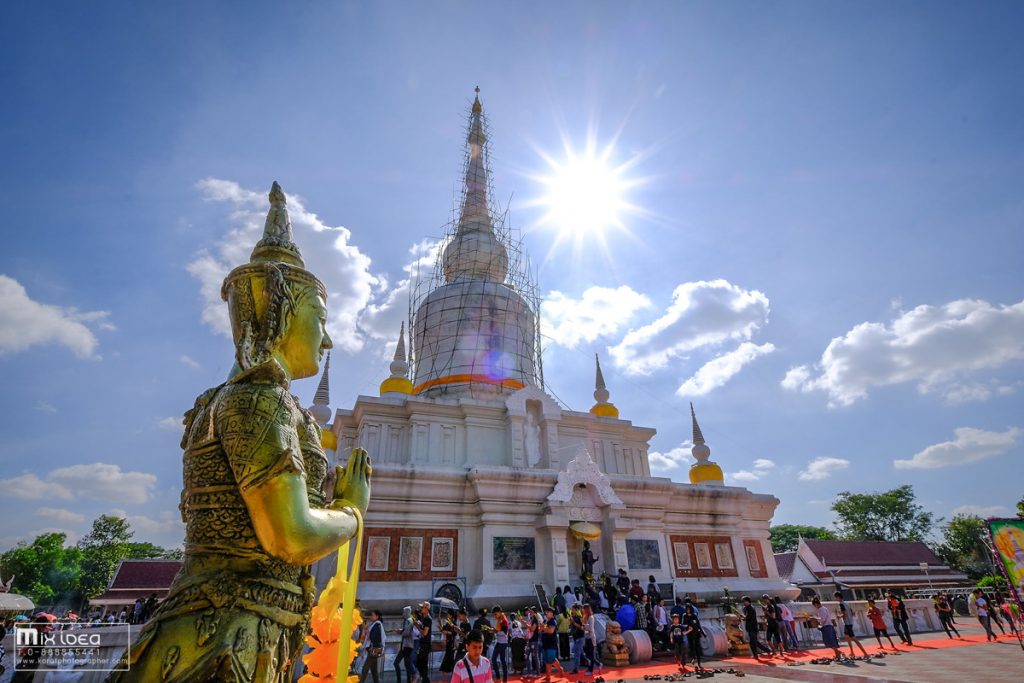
column 484, row 470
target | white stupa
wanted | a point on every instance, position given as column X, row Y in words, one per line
column 484, row 486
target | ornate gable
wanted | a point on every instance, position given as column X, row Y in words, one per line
column 583, row 470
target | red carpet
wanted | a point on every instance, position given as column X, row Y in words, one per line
column 663, row 667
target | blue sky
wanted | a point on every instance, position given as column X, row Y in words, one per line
column 826, row 255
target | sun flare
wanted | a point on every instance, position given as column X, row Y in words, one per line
column 585, row 194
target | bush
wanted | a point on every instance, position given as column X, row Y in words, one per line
column 992, row 581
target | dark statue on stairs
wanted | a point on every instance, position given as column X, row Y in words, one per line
column 588, row 563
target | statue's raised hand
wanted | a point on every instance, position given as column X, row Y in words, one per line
column 352, row 486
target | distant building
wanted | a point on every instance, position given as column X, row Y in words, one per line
column 863, row 567
column 137, row 579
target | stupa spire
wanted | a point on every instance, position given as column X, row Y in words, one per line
column 602, row 408
column 400, row 350
column 698, row 438
column 475, row 252
column 398, row 383
column 704, row 471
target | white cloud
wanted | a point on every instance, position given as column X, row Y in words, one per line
column 761, row 467
column 665, row 462
column 25, row 323
column 45, row 407
column 104, row 482
column 28, row 486
column 188, row 361
column 171, row 423
column 701, row 314
column 60, row 515
column 95, row 480
column 599, row 312
column 326, row 250
column 168, row 523
column 933, row 346
column 383, row 316
column 980, row 510
column 823, row 468
column 969, row 446
column 720, row 370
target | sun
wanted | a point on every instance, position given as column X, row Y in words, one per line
column 585, row 193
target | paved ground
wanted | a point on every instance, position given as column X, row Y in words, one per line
column 932, row 659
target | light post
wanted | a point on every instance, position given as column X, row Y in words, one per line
column 924, row 568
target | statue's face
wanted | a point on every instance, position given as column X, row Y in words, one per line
column 306, row 339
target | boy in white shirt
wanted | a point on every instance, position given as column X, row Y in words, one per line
column 474, row 667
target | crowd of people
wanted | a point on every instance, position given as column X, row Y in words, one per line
column 563, row 637
column 780, row 634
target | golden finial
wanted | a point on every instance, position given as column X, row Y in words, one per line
column 477, row 107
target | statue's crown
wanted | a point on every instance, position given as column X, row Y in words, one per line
column 276, row 250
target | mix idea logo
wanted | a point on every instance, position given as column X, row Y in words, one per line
column 46, row 646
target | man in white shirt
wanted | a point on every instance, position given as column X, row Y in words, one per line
column 983, row 616
column 828, row 629
column 474, row 667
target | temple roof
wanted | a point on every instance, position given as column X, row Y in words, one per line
column 871, row 553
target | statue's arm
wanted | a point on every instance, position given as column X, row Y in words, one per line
column 262, row 446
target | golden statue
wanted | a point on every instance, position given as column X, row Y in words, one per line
column 255, row 512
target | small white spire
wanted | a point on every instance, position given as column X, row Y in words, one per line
column 603, row 408
column 320, row 409
column 700, row 449
column 398, row 384
column 400, row 366
column 601, row 394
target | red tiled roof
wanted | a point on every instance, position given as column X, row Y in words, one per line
column 142, row 574
column 785, row 563
column 852, row 553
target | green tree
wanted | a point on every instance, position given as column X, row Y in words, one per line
column 147, row 550
column 785, row 537
column 109, row 542
column 102, row 548
column 964, row 548
column 887, row 516
column 1020, row 508
column 44, row 570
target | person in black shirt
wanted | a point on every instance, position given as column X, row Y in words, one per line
column 464, row 628
column 611, row 594
column 750, row 624
column 424, row 624
column 549, row 644
column 484, row 626
column 451, row 641
column 900, row 618
column 375, row 647
column 772, row 617
column 692, row 627
column 677, row 638
column 623, row 582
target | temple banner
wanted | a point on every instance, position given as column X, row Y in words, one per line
column 1008, row 541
